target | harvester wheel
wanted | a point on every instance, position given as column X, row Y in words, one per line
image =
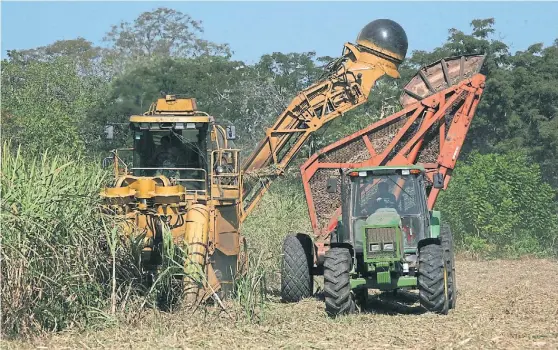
column 297, row 281
column 339, row 298
column 433, row 279
column 446, row 238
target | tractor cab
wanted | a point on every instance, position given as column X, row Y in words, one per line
column 174, row 145
column 387, row 196
column 384, row 212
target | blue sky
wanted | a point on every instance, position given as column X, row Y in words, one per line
column 256, row 28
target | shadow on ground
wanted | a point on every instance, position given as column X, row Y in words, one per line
column 389, row 303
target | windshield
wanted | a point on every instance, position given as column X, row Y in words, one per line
column 400, row 192
column 177, row 154
column 386, row 191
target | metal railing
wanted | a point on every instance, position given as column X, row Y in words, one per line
column 229, row 161
column 183, row 181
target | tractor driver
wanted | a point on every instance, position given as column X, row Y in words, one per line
column 383, row 199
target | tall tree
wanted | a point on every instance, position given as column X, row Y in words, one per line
column 44, row 104
column 86, row 57
column 162, row 32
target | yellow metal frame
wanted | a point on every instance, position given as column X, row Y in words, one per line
column 169, row 119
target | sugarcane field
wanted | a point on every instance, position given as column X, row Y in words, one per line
column 298, row 175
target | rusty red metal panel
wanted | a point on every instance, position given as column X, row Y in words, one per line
column 431, row 136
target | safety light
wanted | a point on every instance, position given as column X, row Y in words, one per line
column 415, row 171
column 354, row 173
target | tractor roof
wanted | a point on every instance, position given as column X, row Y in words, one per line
column 389, row 167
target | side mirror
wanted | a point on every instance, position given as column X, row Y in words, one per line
column 332, row 185
column 231, row 132
column 109, row 132
column 107, row 161
column 438, row 181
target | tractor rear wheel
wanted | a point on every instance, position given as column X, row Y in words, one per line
column 339, row 298
column 433, row 279
column 446, row 238
column 297, row 281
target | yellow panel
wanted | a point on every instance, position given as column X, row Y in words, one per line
column 168, row 119
column 171, row 104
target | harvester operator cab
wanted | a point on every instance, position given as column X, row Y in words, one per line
column 176, row 140
column 170, row 153
column 172, row 139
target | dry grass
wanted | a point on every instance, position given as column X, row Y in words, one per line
column 502, row 304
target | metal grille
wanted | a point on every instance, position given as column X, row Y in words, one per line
column 352, row 152
column 381, row 138
column 380, row 236
column 325, row 203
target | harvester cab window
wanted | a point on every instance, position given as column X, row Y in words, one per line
column 177, row 154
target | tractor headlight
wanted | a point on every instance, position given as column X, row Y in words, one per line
column 388, row 247
column 374, row 248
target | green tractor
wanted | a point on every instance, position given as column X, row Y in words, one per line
column 387, row 239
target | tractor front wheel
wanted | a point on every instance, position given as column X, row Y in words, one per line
column 433, row 279
column 297, row 281
column 339, row 298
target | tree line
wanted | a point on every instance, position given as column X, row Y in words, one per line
column 60, row 97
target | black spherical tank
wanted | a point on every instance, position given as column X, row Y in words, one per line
column 387, row 35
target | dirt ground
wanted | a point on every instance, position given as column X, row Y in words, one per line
column 501, row 304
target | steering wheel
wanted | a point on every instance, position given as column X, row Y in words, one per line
column 380, row 202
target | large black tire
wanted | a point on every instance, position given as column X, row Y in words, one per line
column 339, row 299
column 432, row 279
column 297, row 281
column 446, row 238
